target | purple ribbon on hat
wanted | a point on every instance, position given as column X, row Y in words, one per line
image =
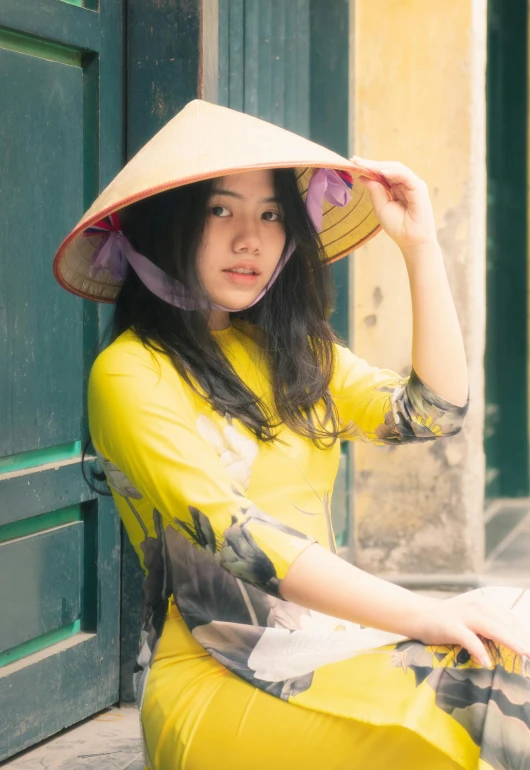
column 327, row 185
column 115, row 250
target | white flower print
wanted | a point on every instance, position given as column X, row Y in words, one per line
column 282, row 654
column 321, row 639
column 236, row 452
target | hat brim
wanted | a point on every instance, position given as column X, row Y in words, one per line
column 343, row 228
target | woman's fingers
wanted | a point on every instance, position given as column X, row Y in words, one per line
column 401, row 203
column 378, row 192
column 502, row 626
column 494, row 622
column 498, row 633
column 469, row 620
column 393, row 171
column 474, row 646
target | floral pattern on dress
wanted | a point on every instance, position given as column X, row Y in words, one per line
column 416, row 413
column 412, row 412
column 156, row 590
column 156, row 583
column 236, row 452
column 492, row 705
column 117, row 480
column 238, row 553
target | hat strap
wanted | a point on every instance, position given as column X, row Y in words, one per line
column 115, row 250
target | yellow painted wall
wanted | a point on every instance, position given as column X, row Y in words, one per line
column 418, row 91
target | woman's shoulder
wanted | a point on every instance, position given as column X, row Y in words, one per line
column 128, row 355
column 126, row 348
column 343, row 355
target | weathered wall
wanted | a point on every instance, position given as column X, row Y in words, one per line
column 419, row 97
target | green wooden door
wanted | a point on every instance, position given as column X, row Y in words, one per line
column 286, row 61
column 506, row 360
column 60, row 142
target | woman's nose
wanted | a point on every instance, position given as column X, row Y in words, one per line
column 247, row 238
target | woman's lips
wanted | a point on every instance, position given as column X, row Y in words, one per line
column 248, row 279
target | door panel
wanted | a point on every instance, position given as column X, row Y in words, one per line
column 61, row 128
column 506, row 439
column 264, row 60
column 42, row 127
column 47, row 593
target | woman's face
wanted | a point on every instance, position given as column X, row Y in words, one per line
column 243, row 239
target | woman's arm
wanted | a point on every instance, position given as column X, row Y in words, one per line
column 405, row 213
column 378, row 405
column 321, row 581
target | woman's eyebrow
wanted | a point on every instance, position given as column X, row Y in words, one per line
column 233, row 194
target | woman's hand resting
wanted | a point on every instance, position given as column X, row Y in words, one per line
column 465, row 618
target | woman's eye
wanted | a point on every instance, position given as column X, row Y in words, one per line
column 271, row 216
column 219, row 211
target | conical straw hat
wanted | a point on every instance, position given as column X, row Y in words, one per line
column 201, row 142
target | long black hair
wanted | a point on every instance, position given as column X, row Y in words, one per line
column 291, row 319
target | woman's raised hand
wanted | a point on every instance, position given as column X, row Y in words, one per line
column 402, row 205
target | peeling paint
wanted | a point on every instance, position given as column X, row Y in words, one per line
column 377, row 296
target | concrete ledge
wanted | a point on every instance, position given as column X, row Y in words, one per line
column 457, row 582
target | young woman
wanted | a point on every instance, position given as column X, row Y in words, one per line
column 217, row 413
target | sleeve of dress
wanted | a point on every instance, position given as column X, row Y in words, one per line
column 143, row 422
column 379, row 406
